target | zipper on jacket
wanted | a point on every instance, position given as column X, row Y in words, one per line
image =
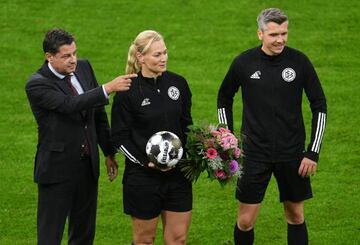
column 156, row 85
column 156, row 82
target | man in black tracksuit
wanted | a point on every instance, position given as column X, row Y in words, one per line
column 272, row 78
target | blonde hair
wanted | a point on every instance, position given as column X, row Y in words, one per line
column 141, row 44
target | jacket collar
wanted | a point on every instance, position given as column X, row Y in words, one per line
column 45, row 71
column 151, row 80
column 274, row 58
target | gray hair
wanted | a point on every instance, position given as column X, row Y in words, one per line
column 270, row 15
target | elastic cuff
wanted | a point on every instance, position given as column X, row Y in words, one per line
column 312, row 155
column 144, row 162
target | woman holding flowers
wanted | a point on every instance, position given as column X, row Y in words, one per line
column 158, row 100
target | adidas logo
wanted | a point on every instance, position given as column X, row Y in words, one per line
column 256, row 75
column 145, row 102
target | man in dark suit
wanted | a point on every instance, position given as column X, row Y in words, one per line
column 68, row 106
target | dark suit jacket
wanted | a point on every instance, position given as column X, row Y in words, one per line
column 63, row 122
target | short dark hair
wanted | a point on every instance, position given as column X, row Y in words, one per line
column 55, row 38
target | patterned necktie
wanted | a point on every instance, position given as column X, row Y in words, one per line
column 67, row 79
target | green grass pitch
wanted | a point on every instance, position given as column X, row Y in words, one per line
column 202, row 38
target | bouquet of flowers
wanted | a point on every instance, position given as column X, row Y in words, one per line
column 214, row 149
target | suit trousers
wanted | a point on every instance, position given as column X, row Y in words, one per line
column 75, row 199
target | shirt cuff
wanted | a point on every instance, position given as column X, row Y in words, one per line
column 106, row 95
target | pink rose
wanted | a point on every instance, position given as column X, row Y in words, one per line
column 220, row 174
column 228, row 142
column 237, row 152
column 224, row 130
column 233, row 141
column 215, row 133
column 211, row 153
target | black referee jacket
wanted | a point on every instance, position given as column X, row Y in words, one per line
column 151, row 105
column 272, row 88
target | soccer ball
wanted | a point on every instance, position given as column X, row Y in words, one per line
column 164, row 149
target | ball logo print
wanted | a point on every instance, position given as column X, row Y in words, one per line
column 164, row 149
column 288, row 74
column 173, row 93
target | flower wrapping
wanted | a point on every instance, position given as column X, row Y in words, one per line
column 213, row 149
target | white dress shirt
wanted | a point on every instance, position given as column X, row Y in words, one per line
column 74, row 81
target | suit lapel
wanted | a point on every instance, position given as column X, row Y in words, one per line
column 45, row 71
column 62, row 84
column 82, row 80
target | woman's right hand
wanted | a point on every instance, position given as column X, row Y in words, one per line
column 153, row 166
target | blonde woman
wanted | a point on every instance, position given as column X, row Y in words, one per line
column 158, row 100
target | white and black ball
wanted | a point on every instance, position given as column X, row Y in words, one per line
column 164, row 149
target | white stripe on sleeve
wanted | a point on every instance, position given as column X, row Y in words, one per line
column 322, row 133
column 320, row 127
column 219, row 116
column 128, row 155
